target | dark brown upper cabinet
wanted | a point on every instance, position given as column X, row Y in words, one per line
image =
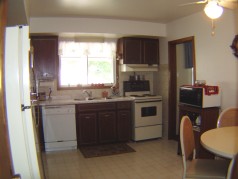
column 138, row 50
column 45, row 49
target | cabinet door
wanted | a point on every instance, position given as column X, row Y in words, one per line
column 150, row 51
column 132, row 51
column 87, row 128
column 124, row 125
column 45, row 55
column 107, row 126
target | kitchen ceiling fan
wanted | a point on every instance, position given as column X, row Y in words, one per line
column 214, row 8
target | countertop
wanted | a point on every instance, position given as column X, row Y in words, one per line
column 80, row 101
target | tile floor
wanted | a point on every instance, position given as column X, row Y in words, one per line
column 154, row 159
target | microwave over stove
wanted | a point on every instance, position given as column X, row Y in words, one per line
column 202, row 97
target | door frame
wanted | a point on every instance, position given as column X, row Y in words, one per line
column 172, row 106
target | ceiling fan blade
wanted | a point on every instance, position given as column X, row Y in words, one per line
column 229, row 4
column 229, row 0
column 191, row 3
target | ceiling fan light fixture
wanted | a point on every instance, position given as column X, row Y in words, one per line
column 213, row 10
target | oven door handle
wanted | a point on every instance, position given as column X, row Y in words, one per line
column 146, row 101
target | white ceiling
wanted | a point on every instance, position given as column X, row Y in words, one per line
column 161, row 11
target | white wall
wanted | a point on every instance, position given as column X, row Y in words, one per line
column 215, row 62
column 93, row 25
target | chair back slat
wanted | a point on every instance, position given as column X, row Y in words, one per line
column 228, row 117
column 187, row 137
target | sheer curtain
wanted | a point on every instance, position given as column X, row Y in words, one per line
column 78, row 49
column 84, row 63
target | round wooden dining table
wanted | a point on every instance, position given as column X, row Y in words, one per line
column 221, row 141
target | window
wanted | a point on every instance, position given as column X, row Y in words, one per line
column 86, row 64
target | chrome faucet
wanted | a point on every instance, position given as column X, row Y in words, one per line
column 89, row 93
column 50, row 91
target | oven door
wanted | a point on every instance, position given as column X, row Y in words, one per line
column 148, row 113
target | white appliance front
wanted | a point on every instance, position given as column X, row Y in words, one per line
column 147, row 120
column 18, row 104
column 148, row 113
column 147, row 132
column 59, row 127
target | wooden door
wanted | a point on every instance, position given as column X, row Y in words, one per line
column 5, row 159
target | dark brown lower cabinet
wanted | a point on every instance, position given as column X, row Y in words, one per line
column 107, row 122
column 87, row 128
column 107, row 127
column 124, row 121
column 208, row 121
column 124, row 126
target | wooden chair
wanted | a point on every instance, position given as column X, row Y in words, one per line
column 228, row 117
column 233, row 168
column 198, row 168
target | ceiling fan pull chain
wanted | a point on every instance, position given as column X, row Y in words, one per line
column 213, row 27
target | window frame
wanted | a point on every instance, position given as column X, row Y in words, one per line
column 105, row 86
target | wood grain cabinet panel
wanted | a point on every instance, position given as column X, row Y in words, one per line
column 124, row 121
column 87, row 129
column 124, row 125
column 99, row 123
column 45, row 55
column 107, row 127
column 151, row 51
column 132, row 51
column 138, row 50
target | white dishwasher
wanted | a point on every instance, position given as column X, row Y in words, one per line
column 59, row 126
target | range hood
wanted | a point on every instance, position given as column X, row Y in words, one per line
column 138, row 67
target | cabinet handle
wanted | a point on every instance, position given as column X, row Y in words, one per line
column 87, row 117
column 106, row 115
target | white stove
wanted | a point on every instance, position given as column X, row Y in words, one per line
column 147, row 121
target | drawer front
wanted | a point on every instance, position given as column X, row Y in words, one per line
column 96, row 106
column 124, row 105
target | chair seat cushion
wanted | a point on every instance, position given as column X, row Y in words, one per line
column 205, row 168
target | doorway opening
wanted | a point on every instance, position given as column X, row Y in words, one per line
column 173, row 122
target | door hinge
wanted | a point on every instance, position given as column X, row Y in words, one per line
column 24, row 107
